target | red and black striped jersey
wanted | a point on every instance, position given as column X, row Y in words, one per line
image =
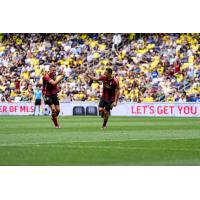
column 47, row 88
column 109, row 87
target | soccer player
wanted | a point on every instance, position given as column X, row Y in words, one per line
column 110, row 94
column 50, row 90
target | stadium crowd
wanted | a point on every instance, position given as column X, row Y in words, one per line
column 150, row 67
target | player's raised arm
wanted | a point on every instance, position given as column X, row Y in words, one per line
column 57, row 80
column 48, row 77
column 92, row 77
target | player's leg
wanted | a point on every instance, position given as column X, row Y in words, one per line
column 48, row 101
column 57, row 109
column 102, row 111
column 106, row 114
column 53, row 115
column 105, row 119
column 101, row 107
column 57, row 106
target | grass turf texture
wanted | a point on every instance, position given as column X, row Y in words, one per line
column 127, row 141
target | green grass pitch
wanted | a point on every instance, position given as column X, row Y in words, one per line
column 127, row 141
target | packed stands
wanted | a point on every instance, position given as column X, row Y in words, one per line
column 150, row 67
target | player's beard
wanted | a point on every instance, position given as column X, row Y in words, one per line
column 53, row 75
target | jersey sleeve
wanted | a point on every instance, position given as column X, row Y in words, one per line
column 47, row 78
column 102, row 78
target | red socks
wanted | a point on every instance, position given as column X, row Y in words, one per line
column 55, row 120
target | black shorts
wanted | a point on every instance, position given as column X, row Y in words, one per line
column 49, row 100
column 105, row 104
column 37, row 102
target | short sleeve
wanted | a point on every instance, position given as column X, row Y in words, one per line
column 102, row 78
column 47, row 78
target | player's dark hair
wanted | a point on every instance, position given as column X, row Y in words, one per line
column 52, row 66
column 109, row 70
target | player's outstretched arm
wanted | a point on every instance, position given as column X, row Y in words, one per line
column 57, row 80
column 92, row 77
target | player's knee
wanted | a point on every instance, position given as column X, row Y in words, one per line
column 101, row 109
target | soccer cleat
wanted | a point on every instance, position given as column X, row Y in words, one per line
column 57, row 127
column 104, row 127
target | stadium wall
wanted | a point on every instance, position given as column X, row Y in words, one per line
column 122, row 109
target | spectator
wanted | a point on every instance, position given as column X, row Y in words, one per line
column 182, row 99
column 198, row 98
column 116, row 41
column 150, row 67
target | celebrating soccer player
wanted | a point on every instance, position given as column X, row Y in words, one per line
column 110, row 94
column 50, row 90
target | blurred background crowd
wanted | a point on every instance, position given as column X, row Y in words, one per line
column 150, row 67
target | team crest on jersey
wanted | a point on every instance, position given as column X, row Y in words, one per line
column 108, row 85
